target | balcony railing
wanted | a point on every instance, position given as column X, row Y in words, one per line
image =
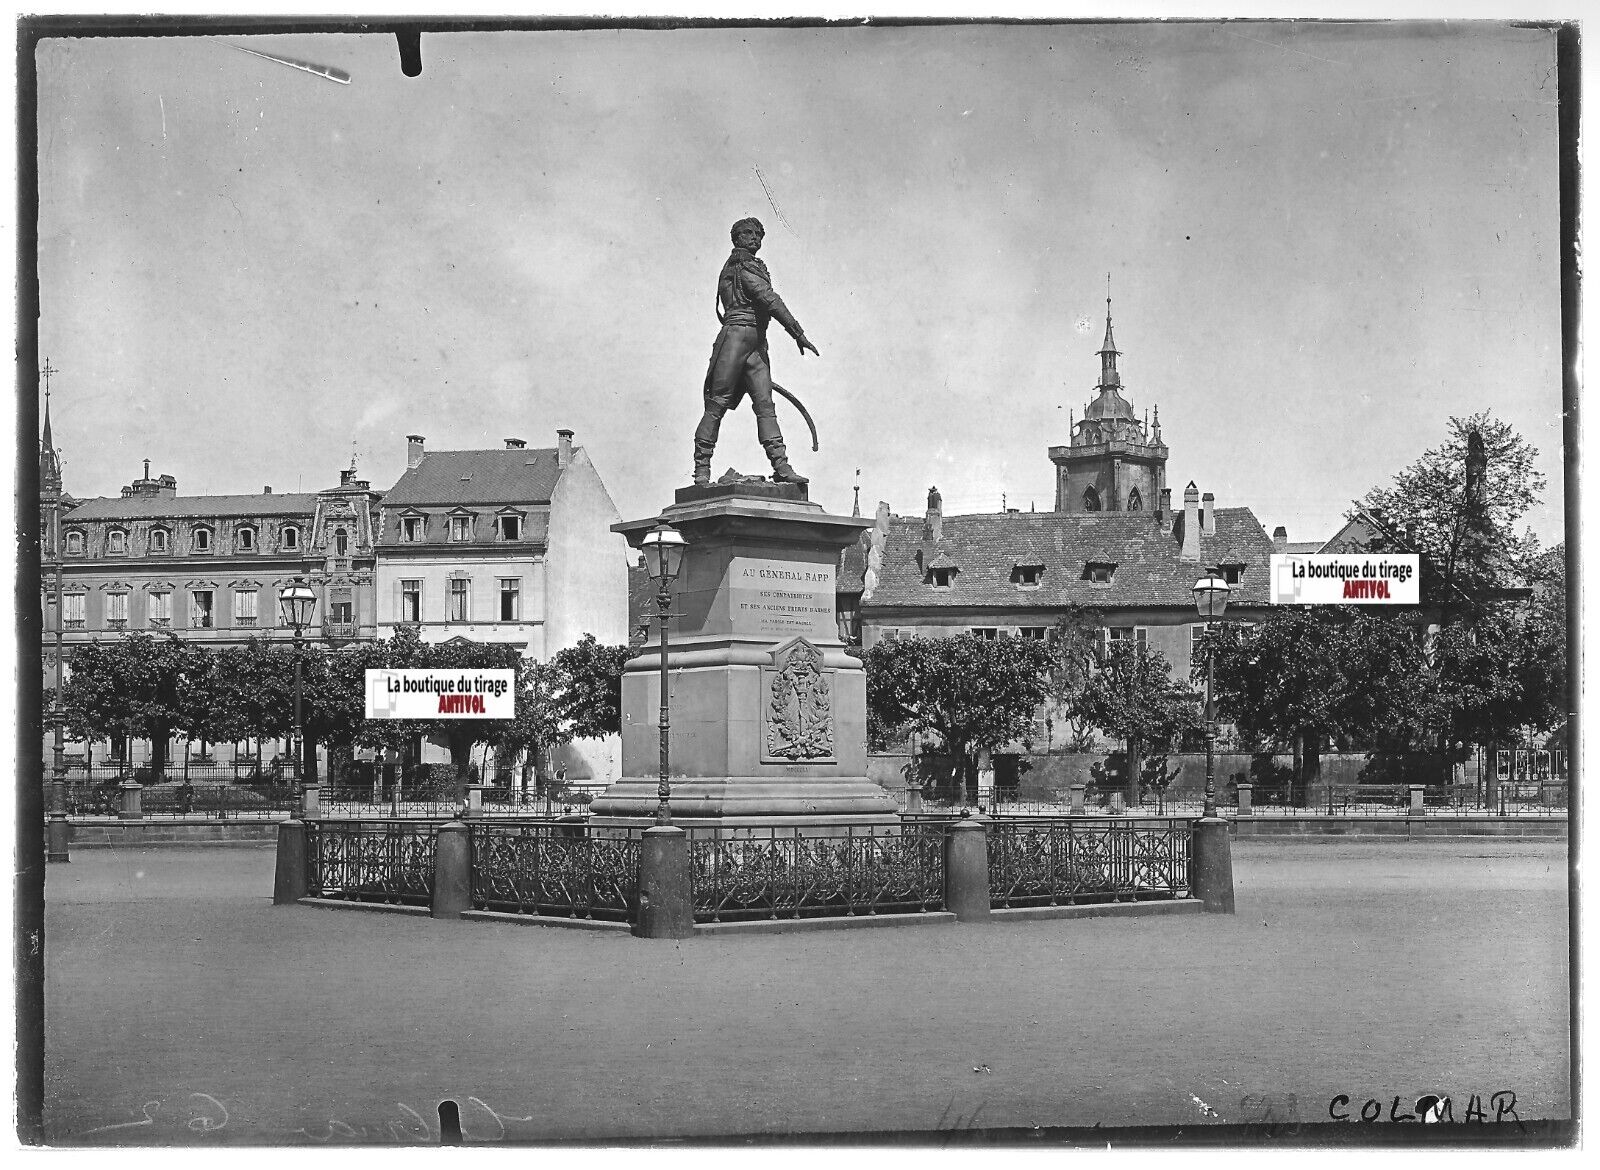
column 332, row 629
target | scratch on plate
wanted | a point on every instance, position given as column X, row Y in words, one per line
column 1287, row 49
column 327, row 71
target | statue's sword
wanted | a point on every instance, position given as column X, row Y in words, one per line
column 804, row 413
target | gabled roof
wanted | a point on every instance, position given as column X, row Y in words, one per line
column 194, row 507
column 1149, row 571
column 517, row 476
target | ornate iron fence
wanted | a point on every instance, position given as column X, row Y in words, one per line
column 371, row 861
column 795, row 873
column 1087, row 859
column 557, row 869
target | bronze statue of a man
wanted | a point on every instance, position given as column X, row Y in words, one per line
column 739, row 363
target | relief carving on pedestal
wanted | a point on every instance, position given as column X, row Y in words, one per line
column 800, row 707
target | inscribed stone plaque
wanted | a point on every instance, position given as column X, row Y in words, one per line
column 781, row 598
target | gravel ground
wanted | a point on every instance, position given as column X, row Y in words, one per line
column 184, row 1008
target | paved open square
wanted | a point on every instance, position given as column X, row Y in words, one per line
column 184, row 1008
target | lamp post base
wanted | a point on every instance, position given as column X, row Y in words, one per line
column 1213, row 865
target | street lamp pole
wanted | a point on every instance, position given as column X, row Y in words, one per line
column 663, row 556
column 56, row 838
column 298, row 603
column 1211, row 598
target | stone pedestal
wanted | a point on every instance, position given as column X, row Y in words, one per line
column 768, row 718
column 1246, row 803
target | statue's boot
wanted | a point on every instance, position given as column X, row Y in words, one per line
column 705, row 444
column 781, row 471
column 702, row 471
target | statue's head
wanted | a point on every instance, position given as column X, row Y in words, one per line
column 747, row 228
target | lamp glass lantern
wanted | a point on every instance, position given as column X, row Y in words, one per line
column 1211, row 596
column 663, row 549
column 297, row 603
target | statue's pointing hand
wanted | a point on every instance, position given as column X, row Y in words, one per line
column 804, row 343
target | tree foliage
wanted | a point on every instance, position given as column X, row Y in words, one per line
column 1470, row 553
column 138, row 686
column 588, row 681
column 975, row 694
column 1133, row 697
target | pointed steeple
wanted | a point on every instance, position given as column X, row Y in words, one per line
column 49, row 462
column 1108, row 348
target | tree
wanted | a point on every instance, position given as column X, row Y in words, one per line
column 137, row 686
column 1458, row 506
column 540, row 724
column 406, row 650
column 974, row 693
column 1132, row 696
column 588, row 677
column 1074, row 645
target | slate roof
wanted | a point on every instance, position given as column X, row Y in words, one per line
column 194, row 507
column 852, row 569
column 522, row 476
column 985, row 549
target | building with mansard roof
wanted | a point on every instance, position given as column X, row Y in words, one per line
column 1115, row 545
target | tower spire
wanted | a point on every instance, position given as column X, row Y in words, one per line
column 49, row 461
column 1108, row 348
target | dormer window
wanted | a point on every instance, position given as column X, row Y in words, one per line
column 412, row 528
column 116, row 543
column 291, row 537
column 245, row 538
column 509, row 527
column 202, row 539
column 460, row 529
column 160, row 540
column 941, row 578
column 1026, row 576
column 1231, row 573
column 75, row 543
column 1099, row 572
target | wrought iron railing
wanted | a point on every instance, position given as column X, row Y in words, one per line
column 371, row 861
column 814, row 872
column 1063, row 861
column 558, row 869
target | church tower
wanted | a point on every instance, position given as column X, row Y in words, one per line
column 1113, row 462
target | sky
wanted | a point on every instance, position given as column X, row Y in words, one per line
column 1323, row 241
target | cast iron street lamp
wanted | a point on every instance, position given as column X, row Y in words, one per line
column 297, row 603
column 1210, row 598
column 663, row 549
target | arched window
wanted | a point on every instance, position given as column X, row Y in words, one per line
column 116, row 542
column 1135, row 502
column 291, row 536
column 202, row 539
column 341, row 543
column 158, row 540
column 75, row 543
column 1091, row 500
column 246, row 539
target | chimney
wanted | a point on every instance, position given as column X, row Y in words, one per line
column 1208, row 514
column 515, row 444
column 347, row 477
column 1164, row 512
column 414, row 450
column 147, row 469
column 267, row 491
column 933, row 522
column 168, row 486
column 1280, row 539
column 563, row 447
column 1191, row 524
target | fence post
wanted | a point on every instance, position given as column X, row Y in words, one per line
column 1213, row 865
column 1075, row 794
column 475, row 800
column 1415, row 809
column 1117, row 807
column 132, row 809
column 452, row 871
column 289, row 883
column 1246, row 791
column 666, row 902
column 966, row 870
column 311, row 801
